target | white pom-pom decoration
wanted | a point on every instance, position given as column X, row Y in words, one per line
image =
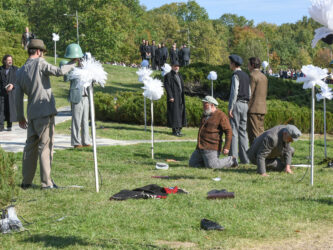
column 313, row 76
column 91, row 71
column 264, row 64
column 153, row 89
column 322, row 12
column 212, row 76
column 326, row 93
column 144, row 73
column 166, row 69
column 55, row 37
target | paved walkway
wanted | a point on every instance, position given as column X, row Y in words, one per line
column 14, row 141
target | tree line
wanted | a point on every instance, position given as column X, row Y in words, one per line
column 113, row 29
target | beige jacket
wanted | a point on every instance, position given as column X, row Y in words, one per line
column 259, row 85
column 33, row 79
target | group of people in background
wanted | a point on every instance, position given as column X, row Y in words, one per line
column 159, row 54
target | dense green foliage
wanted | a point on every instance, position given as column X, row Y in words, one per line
column 10, row 43
column 128, row 107
column 7, row 178
column 112, row 31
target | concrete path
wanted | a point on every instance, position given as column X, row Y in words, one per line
column 14, row 141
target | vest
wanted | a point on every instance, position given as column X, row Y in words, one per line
column 244, row 86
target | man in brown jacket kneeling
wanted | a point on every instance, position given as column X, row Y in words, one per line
column 213, row 124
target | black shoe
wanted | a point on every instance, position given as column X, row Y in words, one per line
column 54, row 186
column 9, row 129
column 234, row 162
column 210, row 225
column 2, row 129
column 25, row 186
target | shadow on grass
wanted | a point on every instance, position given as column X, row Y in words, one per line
column 136, row 129
column 178, row 177
column 73, row 241
column 324, row 200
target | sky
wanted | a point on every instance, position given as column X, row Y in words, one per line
column 271, row 11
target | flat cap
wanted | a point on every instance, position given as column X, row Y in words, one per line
column 210, row 99
column 36, row 44
column 236, row 59
column 293, row 131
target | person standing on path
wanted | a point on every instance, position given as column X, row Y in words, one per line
column 7, row 93
column 238, row 106
column 33, row 79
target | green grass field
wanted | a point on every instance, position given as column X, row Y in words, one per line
column 264, row 209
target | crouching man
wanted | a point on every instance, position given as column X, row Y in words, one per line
column 213, row 124
column 272, row 149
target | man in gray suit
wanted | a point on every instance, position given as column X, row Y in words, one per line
column 257, row 103
column 272, row 148
column 186, row 54
column 33, row 79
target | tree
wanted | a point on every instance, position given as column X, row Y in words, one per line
column 232, row 20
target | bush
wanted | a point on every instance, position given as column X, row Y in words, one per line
column 127, row 107
column 7, row 178
column 10, row 43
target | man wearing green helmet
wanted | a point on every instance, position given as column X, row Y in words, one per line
column 78, row 96
column 33, row 79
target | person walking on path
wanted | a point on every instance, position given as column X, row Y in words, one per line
column 174, row 86
column 257, row 103
column 7, row 93
column 33, row 79
column 238, row 106
column 272, row 149
column 214, row 123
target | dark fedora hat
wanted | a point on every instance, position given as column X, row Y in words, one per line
column 175, row 63
column 36, row 44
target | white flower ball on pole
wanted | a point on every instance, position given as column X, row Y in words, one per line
column 212, row 76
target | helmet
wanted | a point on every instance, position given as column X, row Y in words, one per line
column 73, row 51
column 63, row 62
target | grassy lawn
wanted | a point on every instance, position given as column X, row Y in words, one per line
column 121, row 131
column 264, row 209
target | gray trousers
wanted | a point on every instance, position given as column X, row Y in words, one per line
column 239, row 135
column 80, row 123
column 209, row 159
column 39, row 143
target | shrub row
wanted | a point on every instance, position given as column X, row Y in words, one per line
column 128, row 107
column 7, row 178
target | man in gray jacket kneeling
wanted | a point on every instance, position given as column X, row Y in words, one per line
column 272, row 148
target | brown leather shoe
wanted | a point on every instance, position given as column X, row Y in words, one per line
column 86, row 146
column 78, row 146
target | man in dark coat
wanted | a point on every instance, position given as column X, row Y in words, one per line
column 186, row 55
column 158, row 56
column 142, row 52
column 174, row 54
column 7, row 93
column 164, row 55
column 153, row 49
column 174, row 86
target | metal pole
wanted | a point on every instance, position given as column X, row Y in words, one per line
column 212, row 89
column 93, row 132
column 152, row 128
column 145, row 111
column 312, row 133
column 55, row 53
column 325, row 128
column 77, row 27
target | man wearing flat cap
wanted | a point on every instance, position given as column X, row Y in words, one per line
column 214, row 123
column 33, row 79
column 174, row 86
column 238, row 106
column 272, row 149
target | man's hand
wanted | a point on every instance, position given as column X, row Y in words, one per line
column 230, row 114
column 23, row 123
column 288, row 169
column 10, row 87
column 171, row 100
column 225, row 151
